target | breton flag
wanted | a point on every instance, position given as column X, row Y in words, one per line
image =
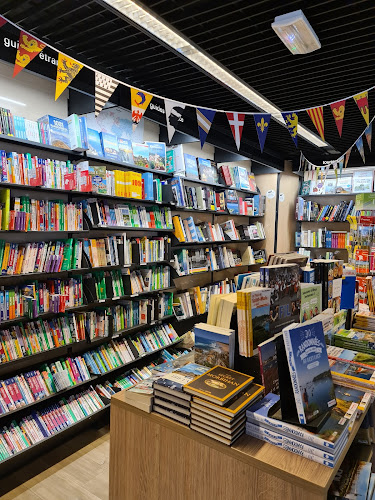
column 316, row 115
column 104, row 88
column 236, row 122
column 205, row 117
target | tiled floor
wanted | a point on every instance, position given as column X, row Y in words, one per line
column 78, row 471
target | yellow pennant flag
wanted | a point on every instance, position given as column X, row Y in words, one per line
column 139, row 101
column 67, row 70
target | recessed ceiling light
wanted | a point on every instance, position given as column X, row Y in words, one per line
column 12, row 101
column 295, row 31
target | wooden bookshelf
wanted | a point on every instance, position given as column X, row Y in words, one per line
column 154, row 457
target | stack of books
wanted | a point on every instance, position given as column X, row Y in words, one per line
column 329, row 273
column 170, row 399
column 220, row 399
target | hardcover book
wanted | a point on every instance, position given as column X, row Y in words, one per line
column 313, row 388
column 214, row 345
column 157, row 155
column 191, row 169
column 305, row 188
column 218, row 385
column 330, row 186
column 206, row 172
column 363, row 181
column 95, row 144
column 175, row 381
column 344, row 185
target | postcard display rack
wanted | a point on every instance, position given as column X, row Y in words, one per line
column 27, row 363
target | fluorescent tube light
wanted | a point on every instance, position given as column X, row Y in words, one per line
column 173, row 39
column 12, row 100
column 296, row 33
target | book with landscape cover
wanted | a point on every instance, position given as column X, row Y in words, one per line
column 359, row 358
column 174, row 382
column 191, row 168
column 351, row 373
column 214, row 345
column 219, row 385
column 310, row 374
column 311, row 301
column 269, row 370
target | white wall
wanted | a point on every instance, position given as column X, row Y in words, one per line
column 36, row 92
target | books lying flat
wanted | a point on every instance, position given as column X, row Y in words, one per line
column 360, row 376
column 214, row 345
column 219, row 420
column 358, row 340
column 171, row 414
column 173, row 383
column 227, row 432
column 331, row 435
column 235, row 405
column 346, row 396
column 309, row 370
column 214, row 435
column 218, row 385
column 358, row 358
column 171, row 398
column 172, row 406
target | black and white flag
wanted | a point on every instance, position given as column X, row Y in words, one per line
column 104, row 88
column 173, row 115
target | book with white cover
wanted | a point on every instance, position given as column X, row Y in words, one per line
column 363, row 181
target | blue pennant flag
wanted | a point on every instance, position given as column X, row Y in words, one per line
column 205, row 117
column 291, row 122
column 262, row 124
column 359, row 144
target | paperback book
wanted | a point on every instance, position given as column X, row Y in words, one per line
column 214, row 345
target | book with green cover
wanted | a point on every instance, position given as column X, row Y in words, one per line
column 5, row 200
column 219, row 385
column 311, row 301
column 67, row 255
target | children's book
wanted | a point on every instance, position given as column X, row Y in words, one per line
column 363, row 181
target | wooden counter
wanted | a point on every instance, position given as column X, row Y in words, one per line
column 155, row 458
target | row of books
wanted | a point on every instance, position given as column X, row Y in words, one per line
column 18, row 126
column 311, row 211
column 187, row 261
column 360, row 182
column 119, row 352
column 40, row 425
column 40, row 297
column 102, row 214
column 28, row 214
column 322, row 238
column 102, row 285
column 149, row 279
column 26, row 388
column 187, row 231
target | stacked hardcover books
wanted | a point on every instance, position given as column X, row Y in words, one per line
column 220, row 399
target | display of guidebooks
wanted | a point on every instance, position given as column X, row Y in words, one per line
column 310, row 373
column 363, row 181
column 141, row 154
column 191, row 168
column 214, row 345
column 157, row 155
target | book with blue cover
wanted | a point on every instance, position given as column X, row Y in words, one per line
column 206, row 170
column 313, row 388
column 191, row 168
column 58, row 131
column 94, row 143
column 214, row 345
column 175, row 381
column 109, row 145
column 157, row 155
column 148, row 185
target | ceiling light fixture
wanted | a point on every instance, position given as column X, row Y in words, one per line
column 296, row 33
column 160, row 30
column 19, row 103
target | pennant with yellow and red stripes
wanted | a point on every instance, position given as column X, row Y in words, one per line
column 316, row 115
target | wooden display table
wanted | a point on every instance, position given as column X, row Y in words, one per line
column 155, row 458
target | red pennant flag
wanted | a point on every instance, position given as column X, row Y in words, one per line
column 28, row 48
column 236, row 122
column 316, row 115
column 362, row 103
column 338, row 110
column 2, row 21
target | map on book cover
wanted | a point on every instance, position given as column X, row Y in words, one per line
column 178, row 378
column 117, row 121
column 310, row 373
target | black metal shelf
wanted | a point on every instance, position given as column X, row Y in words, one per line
column 126, row 229
column 38, row 145
column 217, row 185
column 212, row 243
column 216, row 270
column 45, row 315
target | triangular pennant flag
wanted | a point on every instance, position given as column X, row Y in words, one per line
column 139, row 101
column 262, row 124
column 104, row 88
column 291, row 122
column 173, row 111
column 236, row 123
column 316, row 115
column 2, row 21
column 205, row 117
column 368, row 134
column 359, row 144
column 28, row 48
column 338, row 110
column 341, row 165
column 67, row 70
column 362, row 103
column 347, row 155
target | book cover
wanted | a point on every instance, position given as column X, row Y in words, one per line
column 125, row 150
column 360, row 358
column 305, row 188
column 58, row 131
column 353, row 374
column 311, row 301
column 175, row 159
column 95, row 144
column 309, row 369
column 219, row 384
column 269, row 371
column 205, row 170
column 330, row 186
column 109, row 145
column 178, row 378
column 252, row 183
column 191, row 169
column 214, row 345
column 157, row 155
column 363, row 181
column 141, row 154
column 317, row 187
column 98, row 176
column 344, row 185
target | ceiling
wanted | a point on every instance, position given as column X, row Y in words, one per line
column 238, row 34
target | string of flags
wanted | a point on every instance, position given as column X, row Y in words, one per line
column 67, row 69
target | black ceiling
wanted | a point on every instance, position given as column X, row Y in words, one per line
column 238, row 34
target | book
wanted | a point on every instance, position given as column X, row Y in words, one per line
column 206, row 172
column 311, row 301
column 173, row 383
column 359, row 376
column 344, row 185
column 125, row 150
column 58, row 131
column 94, row 142
column 330, row 186
column 269, row 371
column 175, row 160
column 363, row 181
column 109, row 145
column 218, row 385
column 305, row 188
column 214, row 345
column 191, row 169
column 157, row 155
column 309, row 369
column 141, row 154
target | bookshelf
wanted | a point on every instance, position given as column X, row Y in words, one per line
column 34, row 361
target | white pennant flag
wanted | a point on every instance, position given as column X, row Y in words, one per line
column 104, row 88
column 173, row 115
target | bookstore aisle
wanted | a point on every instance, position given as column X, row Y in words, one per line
column 187, row 305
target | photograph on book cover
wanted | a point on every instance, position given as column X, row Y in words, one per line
column 117, row 121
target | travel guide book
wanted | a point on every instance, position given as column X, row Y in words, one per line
column 157, row 155
column 214, row 345
column 191, row 168
column 176, row 380
column 353, row 374
column 309, row 369
column 311, row 301
column 359, row 358
column 269, row 371
column 218, row 385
